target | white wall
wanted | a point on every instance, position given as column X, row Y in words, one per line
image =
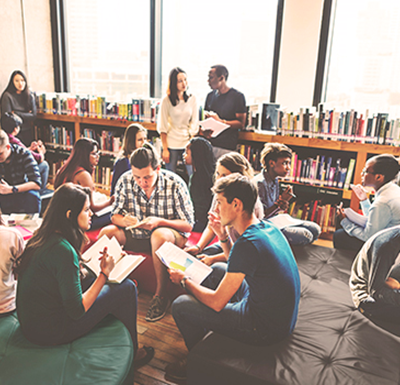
column 299, row 52
column 35, row 58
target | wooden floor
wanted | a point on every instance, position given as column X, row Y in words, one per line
column 166, row 340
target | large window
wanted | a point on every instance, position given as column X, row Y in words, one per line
column 365, row 59
column 239, row 35
column 109, row 47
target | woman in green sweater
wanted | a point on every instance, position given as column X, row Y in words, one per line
column 52, row 307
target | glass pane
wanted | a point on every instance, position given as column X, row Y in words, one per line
column 365, row 60
column 109, row 47
column 197, row 35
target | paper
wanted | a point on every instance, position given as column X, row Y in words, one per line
column 101, row 212
column 124, row 264
column 284, row 220
column 214, row 125
column 351, row 215
column 145, row 220
column 174, row 257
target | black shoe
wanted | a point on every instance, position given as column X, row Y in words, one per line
column 144, row 360
column 176, row 371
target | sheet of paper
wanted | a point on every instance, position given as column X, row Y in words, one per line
column 284, row 220
column 124, row 267
column 214, row 125
column 176, row 258
column 358, row 219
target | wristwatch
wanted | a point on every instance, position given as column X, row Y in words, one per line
column 14, row 189
column 183, row 282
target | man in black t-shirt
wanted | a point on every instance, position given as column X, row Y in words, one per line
column 226, row 105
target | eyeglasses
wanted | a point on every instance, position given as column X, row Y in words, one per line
column 365, row 171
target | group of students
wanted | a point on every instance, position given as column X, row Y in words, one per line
column 253, row 292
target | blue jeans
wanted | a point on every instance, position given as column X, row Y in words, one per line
column 44, row 174
column 120, row 300
column 174, row 156
column 303, row 234
column 195, row 320
column 25, row 202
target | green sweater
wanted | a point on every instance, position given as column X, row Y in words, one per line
column 49, row 293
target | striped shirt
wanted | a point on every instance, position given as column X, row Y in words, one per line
column 169, row 200
column 21, row 168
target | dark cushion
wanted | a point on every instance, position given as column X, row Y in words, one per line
column 332, row 342
column 103, row 356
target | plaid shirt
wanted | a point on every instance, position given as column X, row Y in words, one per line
column 22, row 167
column 169, row 200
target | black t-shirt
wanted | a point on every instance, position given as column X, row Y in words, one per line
column 226, row 106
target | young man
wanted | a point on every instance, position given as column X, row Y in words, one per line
column 276, row 159
column 160, row 201
column 20, row 179
column 380, row 173
column 375, row 279
column 226, row 105
column 256, row 300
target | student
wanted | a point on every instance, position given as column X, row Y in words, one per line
column 255, row 300
column 380, row 173
column 19, row 179
column 134, row 137
column 227, row 164
column 199, row 154
column 11, row 124
column 51, row 305
column 226, row 105
column 11, row 247
column 178, row 119
column 158, row 201
column 78, row 169
column 18, row 99
column 276, row 160
column 375, row 277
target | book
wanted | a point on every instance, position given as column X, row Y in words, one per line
column 124, row 263
column 214, row 125
column 175, row 258
column 284, row 220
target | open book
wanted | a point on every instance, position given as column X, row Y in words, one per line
column 284, row 220
column 351, row 215
column 214, row 125
column 175, row 258
column 124, row 263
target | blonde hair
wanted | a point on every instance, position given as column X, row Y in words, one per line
column 274, row 151
column 235, row 162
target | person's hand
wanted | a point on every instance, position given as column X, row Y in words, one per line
column 130, row 220
column 193, row 250
column 287, row 195
column 282, row 203
column 215, row 225
column 205, row 133
column 33, row 146
column 41, row 149
column 359, row 191
column 107, row 262
column 212, row 114
column 150, row 223
column 176, row 276
column 165, row 155
column 206, row 259
column 393, row 283
column 340, row 214
column 5, row 188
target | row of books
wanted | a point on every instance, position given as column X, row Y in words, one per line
column 351, row 126
column 252, row 154
column 57, row 135
column 136, row 110
column 322, row 214
column 107, row 140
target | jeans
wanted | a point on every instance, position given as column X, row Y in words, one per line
column 120, row 300
column 342, row 240
column 44, row 174
column 99, row 222
column 25, row 202
column 306, row 233
column 195, row 320
column 174, row 156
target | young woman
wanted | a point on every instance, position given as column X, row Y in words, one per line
column 199, row 154
column 134, row 137
column 178, row 120
column 52, row 307
column 227, row 164
column 17, row 98
column 78, row 169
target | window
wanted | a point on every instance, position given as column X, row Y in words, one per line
column 197, row 35
column 365, row 58
column 109, row 47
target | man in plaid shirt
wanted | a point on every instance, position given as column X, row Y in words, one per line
column 20, row 179
column 157, row 202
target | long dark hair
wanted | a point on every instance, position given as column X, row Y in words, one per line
column 12, row 90
column 68, row 197
column 203, row 160
column 172, row 90
column 129, row 140
column 80, row 157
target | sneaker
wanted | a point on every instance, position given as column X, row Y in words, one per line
column 158, row 308
column 176, row 371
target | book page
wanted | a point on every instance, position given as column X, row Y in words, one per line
column 175, row 258
column 124, row 267
column 360, row 220
column 216, row 126
column 284, row 220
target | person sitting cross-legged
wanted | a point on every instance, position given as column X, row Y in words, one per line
column 255, row 299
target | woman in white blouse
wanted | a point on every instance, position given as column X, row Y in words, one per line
column 178, row 120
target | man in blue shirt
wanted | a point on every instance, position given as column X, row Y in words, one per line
column 255, row 299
